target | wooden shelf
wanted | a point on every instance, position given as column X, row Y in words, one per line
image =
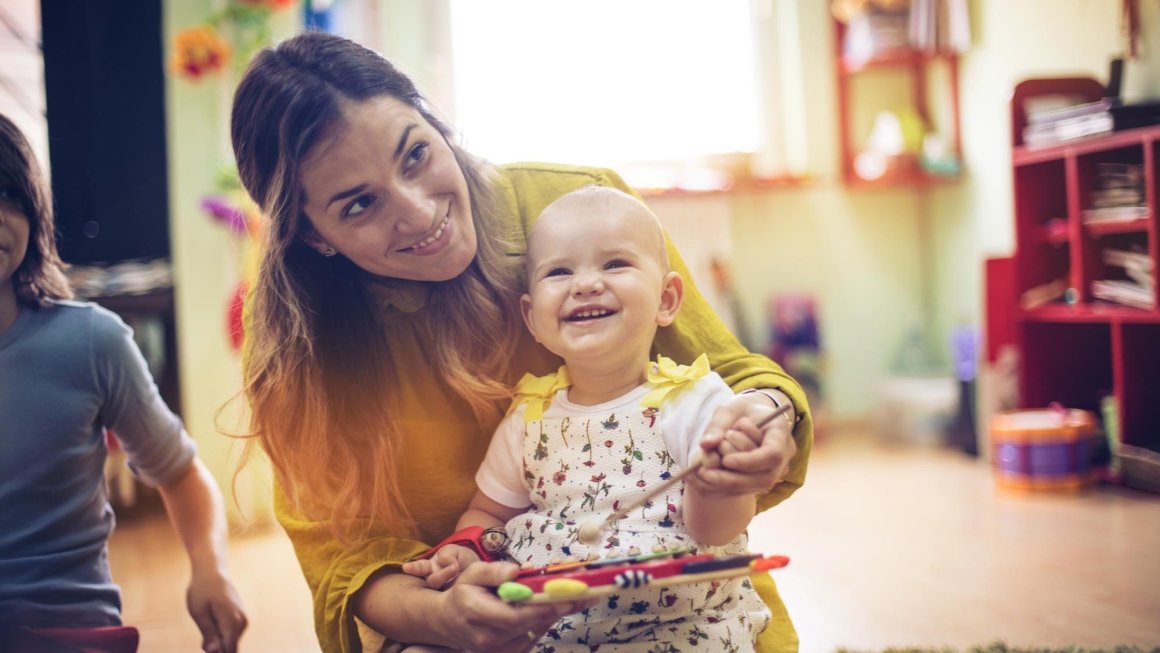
column 1139, row 225
column 1090, row 313
column 914, row 64
column 894, row 59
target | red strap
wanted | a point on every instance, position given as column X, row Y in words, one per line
column 470, row 537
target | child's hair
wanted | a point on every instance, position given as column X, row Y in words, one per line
column 40, row 277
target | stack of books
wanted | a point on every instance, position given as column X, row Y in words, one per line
column 1118, row 195
column 1068, row 123
column 1137, row 289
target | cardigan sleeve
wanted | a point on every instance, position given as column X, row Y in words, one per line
column 336, row 571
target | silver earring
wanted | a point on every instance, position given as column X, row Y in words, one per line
column 330, row 251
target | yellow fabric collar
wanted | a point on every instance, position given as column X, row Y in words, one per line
column 664, row 377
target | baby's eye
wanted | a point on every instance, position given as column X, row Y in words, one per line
column 558, row 272
column 617, row 263
column 358, row 206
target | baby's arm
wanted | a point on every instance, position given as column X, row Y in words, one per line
column 444, row 567
column 715, row 514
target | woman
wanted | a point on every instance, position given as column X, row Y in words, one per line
column 384, row 337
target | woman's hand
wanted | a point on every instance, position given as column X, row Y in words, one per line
column 468, row 616
column 481, row 622
column 739, row 458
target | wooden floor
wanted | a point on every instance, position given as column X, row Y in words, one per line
column 890, row 546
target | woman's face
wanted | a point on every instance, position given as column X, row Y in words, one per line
column 386, row 191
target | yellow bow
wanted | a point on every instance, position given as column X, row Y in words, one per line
column 665, row 376
column 537, row 392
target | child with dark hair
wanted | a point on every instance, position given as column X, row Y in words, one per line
column 68, row 371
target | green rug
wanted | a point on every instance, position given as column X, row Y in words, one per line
column 999, row 647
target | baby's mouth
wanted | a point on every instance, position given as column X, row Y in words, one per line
column 588, row 314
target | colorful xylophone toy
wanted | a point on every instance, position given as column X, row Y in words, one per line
column 579, row 580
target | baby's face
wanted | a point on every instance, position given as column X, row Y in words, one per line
column 596, row 281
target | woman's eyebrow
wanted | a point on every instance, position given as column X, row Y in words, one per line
column 403, row 140
column 343, row 194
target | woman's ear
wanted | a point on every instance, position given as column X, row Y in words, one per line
column 672, row 294
column 315, row 242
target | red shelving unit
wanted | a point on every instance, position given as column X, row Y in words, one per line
column 1075, row 353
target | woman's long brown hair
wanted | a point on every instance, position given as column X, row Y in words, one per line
column 315, row 354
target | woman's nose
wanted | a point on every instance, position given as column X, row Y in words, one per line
column 414, row 210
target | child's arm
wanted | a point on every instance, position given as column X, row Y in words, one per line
column 194, row 505
column 444, row 567
column 715, row 514
column 487, row 512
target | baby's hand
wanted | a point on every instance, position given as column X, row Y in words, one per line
column 713, row 479
column 444, row 567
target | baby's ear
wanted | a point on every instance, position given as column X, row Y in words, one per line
column 672, row 294
column 526, row 311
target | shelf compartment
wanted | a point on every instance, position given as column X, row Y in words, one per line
column 1072, row 363
column 1138, row 383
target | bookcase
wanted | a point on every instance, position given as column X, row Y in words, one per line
column 1078, row 347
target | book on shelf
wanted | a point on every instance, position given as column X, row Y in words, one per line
column 1114, row 214
column 1059, row 114
column 1068, row 129
column 1121, row 291
column 1105, row 197
column 1137, row 265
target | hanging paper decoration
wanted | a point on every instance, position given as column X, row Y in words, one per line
column 198, row 51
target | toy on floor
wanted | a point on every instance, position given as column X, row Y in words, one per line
column 572, row 580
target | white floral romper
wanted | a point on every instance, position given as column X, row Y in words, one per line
column 585, row 465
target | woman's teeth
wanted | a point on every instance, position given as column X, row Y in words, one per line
column 433, row 237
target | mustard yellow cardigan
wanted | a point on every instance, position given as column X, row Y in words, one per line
column 444, row 443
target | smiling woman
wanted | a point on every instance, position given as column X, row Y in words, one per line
column 384, row 341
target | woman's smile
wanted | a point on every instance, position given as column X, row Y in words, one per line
column 386, row 191
column 427, row 245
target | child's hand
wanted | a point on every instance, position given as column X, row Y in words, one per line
column 740, row 459
column 216, row 609
column 443, row 568
column 713, row 479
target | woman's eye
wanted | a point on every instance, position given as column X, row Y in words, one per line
column 417, row 154
column 358, row 206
